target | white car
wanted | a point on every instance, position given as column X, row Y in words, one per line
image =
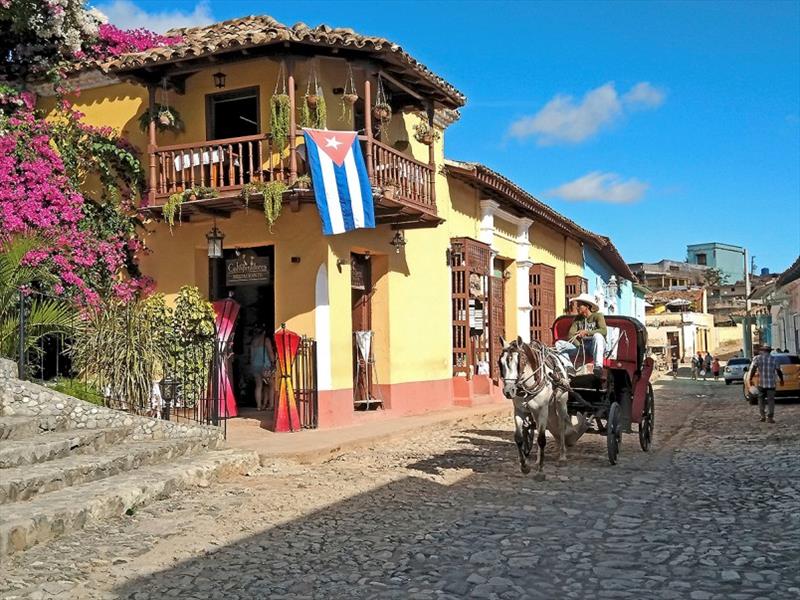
column 735, row 370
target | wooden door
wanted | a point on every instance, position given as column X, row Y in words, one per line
column 361, row 296
column 542, row 279
column 497, row 324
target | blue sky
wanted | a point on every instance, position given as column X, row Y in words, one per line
column 658, row 124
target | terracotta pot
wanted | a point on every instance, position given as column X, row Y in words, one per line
column 165, row 119
column 312, row 100
column 425, row 138
column 382, row 113
column 351, row 99
column 389, row 192
column 192, row 197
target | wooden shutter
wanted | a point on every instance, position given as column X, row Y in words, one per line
column 468, row 257
column 542, row 287
column 497, row 324
column 574, row 285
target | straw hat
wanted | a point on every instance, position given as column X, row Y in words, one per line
column 586, row 299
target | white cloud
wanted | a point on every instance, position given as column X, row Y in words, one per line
column 602, row 187
column 563, row 119
column 644, row 95
column 127, row 15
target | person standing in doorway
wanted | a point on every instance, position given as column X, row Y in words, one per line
column 715, row 368
column 262, row 368
column 767, row 366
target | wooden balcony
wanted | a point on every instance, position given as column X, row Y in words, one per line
column 403, row 188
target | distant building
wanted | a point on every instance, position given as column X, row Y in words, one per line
column 781, row 299
column 728, row 259
column 669, row 274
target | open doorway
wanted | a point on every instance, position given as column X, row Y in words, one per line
column 246, row 275
column 230, row 116
column 365, row 395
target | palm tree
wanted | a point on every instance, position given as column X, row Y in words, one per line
column 43, row 314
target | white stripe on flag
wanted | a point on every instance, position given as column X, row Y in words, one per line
column 331, row 193
column 354, row 185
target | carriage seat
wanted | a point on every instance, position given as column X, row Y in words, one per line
column 613, row 335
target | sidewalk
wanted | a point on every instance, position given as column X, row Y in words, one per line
column 312, row 445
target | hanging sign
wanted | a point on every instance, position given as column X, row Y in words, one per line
column 247, row 269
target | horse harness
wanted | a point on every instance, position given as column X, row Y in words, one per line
column 556, row 381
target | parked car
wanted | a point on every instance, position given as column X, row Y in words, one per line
column 790, row 366
column 735, row 370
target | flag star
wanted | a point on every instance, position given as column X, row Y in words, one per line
column 332, row 142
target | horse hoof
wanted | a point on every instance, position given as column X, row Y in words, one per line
column 539, row 477
column 525, row 469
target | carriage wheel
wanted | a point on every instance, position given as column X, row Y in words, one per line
column 647, row 423
column 613, row 434
column 527, row 437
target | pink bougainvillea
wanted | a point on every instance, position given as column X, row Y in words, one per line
column 40, row 196
column 112, row 41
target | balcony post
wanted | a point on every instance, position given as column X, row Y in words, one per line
column 368, row 123
column 151, row 144
column 292, row 122
column 432, row 155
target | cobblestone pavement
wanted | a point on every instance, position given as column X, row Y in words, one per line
column 713, row 512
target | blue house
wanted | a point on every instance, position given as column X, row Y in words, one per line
column 611, row 283
column 727, row 258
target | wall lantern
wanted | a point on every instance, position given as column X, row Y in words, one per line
column 398, row 241
column 613, row 286
column 215, row 237
column 219, row 79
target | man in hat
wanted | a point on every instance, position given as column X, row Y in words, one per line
column 767, row 366
column 588, row 329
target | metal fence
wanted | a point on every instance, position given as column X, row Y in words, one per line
column 305, row 383
column 113, row 361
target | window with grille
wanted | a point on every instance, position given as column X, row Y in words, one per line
column 542, row 280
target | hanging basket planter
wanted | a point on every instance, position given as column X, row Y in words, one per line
column 382, row 112
column 425, row 133
column 350, row 99
column 312, row 100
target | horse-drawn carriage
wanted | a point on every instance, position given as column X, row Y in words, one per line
column 605, row 401
column 622, row 395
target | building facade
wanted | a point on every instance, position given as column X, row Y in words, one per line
column 459, row 257
column 728, row 259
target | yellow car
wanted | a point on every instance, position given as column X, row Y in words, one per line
column 790, row 366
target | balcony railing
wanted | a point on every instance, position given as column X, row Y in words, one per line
column 413, row 180
column 225, row 165
column 228, row 164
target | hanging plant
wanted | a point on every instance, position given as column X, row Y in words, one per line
column 303, row 182
column 349, row 96
column 425, row 133
column 313, row 111
column 272, row 194
column 279, row 111
column 382, row 110
column 174, row 204
column 167, row 119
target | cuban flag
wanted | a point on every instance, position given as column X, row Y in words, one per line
column 341, row 185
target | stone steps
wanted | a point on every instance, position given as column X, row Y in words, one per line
column 16, row 428
column 46, row 516
column 25, row 482
column 51, row 446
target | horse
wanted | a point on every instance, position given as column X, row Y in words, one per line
column 536, row 381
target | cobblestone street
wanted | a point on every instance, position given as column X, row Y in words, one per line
column 713, row 512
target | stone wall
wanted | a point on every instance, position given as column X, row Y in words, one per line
column 55, row 410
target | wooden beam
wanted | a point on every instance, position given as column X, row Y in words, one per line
column 402, row 86
column 151, row 143
column 368, row 123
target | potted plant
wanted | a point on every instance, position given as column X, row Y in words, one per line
column 382, row 112
column 349, row 95
column 425, row 133
column 302, row 183
column 279, row 119
column 272, row 194
column 167, row 119
column 174, row 204
column 390, row 190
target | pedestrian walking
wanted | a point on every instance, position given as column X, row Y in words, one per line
column 674, row 367
column 767, row 367
column 715, row 368
column 706, row 365
column 697, row 364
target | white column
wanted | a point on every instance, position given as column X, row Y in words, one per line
column 486, row 233
column 524, row 265
column 322, row 330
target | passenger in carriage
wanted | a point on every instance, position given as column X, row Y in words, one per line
column 588, row 328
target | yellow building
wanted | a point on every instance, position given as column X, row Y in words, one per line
column 459, row 256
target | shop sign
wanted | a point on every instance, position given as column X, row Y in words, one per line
column 247, row 269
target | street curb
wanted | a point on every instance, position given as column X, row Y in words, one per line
column 332, row 451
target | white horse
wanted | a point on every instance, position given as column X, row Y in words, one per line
column 536, row 381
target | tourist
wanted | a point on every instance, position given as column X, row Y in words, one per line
column 262, row 368
column 697, row 364
column 588, row 328
column 767, row 367
column 706, row 365
column 715, row 368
